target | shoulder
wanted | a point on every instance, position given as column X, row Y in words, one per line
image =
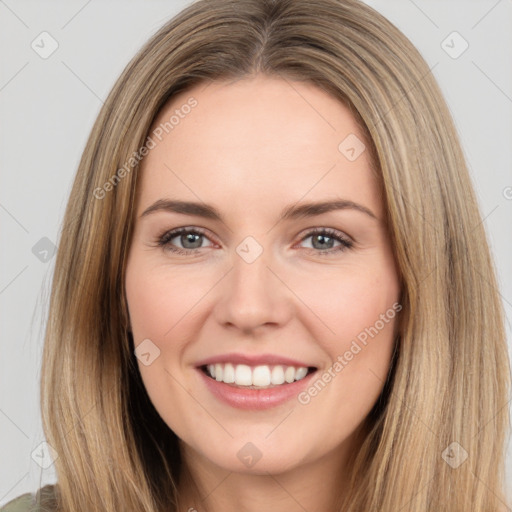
column 20, row 504
column 42, row 501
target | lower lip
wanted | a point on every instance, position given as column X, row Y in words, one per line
column 255, row 399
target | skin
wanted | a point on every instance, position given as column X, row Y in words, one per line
column 250, row 148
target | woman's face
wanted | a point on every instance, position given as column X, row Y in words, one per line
column 260, row 283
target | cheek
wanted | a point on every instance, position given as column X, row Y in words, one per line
column 159, row 304
column 158, row 300
column 349, row 302
column 358, row 312
column 154, row 309
column 163, row 305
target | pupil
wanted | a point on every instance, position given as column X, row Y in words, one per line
column 321, row 237
column 189, row 238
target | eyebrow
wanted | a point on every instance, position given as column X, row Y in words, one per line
column 290, row 212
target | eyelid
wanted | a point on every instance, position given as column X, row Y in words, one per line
column 330, row 231
column 346, row 241
column 172, row 233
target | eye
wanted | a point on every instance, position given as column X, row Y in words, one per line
column 324, row 239
column 190, row 238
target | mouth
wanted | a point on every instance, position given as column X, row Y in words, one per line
column 245, row 376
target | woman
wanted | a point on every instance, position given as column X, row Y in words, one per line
column 366, row 370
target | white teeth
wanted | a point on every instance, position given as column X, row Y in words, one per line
column 229, row 373
column 257, row 376
column 289, row 374
column 261, row 376
column 219, row 370
column 243, row 375
column 277, row 376
column 300, row 373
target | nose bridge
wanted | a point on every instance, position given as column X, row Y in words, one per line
column 252, row 295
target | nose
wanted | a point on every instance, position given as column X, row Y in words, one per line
column 253, row 296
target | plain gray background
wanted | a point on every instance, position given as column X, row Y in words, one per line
column 48, row 106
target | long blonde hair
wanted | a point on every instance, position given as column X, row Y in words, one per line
column 449, row 382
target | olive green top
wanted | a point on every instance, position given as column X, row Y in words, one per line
column 42, row 501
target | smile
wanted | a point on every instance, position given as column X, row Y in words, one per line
column 256, row 377
column 275, row 384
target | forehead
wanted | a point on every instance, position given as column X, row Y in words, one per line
column 235, row 143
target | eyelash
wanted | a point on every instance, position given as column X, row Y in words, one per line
column 164, row 240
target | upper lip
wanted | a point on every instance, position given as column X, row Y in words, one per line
column 252, row 360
